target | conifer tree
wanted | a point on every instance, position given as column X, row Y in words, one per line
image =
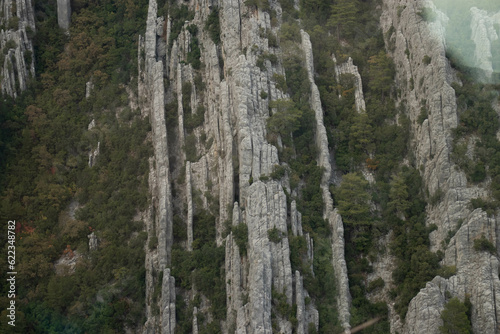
column 343, row 17
column 455, row 320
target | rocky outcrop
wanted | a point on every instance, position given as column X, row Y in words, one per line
column 233, row 170
column 189, row 207
column 269, row 262
column 151, row 88
column 484, row 33
column 428, row 84
column 168, row 303
column 333, row 217
column 349, row 68
column 16, row 48
column 93, row 242
column 93, row 155
column 64, row 14
column 154, row 79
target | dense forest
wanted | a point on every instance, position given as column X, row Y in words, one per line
column 64, row 179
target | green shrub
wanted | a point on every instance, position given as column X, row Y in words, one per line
column 447, row 271
column 10, row 44
column 153, row 242
column 13, row 23
column 187, row 89
column 281, row 305
column 280, row 82
column 190, row 148
column 260, row 63
column 263, row 95
column 477, row 173
column 437, row 197
column 194, row 54
column 28, row 57
column 240, row 234
column 274, row 235
column 290, row 31
column 272, row 40
column 212, row 25
column 423, row 115
column 179, row 15
column 285, row 119
column 426, row 60
column 261, row 4
column 278, row 172
column 192, row 121
column 489, row 207
column 376, row 284
column 484, row 245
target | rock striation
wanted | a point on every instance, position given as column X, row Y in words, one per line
column 64, row 14
column 152, row 86
column 168, row 303
column 413, row 39
column 17, row 58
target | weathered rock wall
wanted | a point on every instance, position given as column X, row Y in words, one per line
column 427, row 84
column 64, row 14
column 333, row 217
column 17, row 64
column 234, row 168
column 151, row 86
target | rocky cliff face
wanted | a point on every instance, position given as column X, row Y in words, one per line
column 16, row 56
column 234, row 169
column 427, row 84
column 235, row 122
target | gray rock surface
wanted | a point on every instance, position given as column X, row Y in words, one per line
column 195, row 320
column 93, row 155
column 189, row 207
column 64, row 14
column 89, row 86
column 269, row 262
column 154, row 80
column 93, row 242
column 296, row 220
column 152, row 92
column 168, row 303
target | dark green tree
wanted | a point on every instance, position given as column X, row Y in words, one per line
column 344, row 17
column 285, row 119
column 455, row 320
column 398, row 195
column 354, row 200
column 381, row 72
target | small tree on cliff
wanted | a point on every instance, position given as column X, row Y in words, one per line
column 455, row 320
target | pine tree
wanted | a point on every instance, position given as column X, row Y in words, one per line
column 455, row 320
column 344, row 16
column 381, row 72
column 353, row 199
